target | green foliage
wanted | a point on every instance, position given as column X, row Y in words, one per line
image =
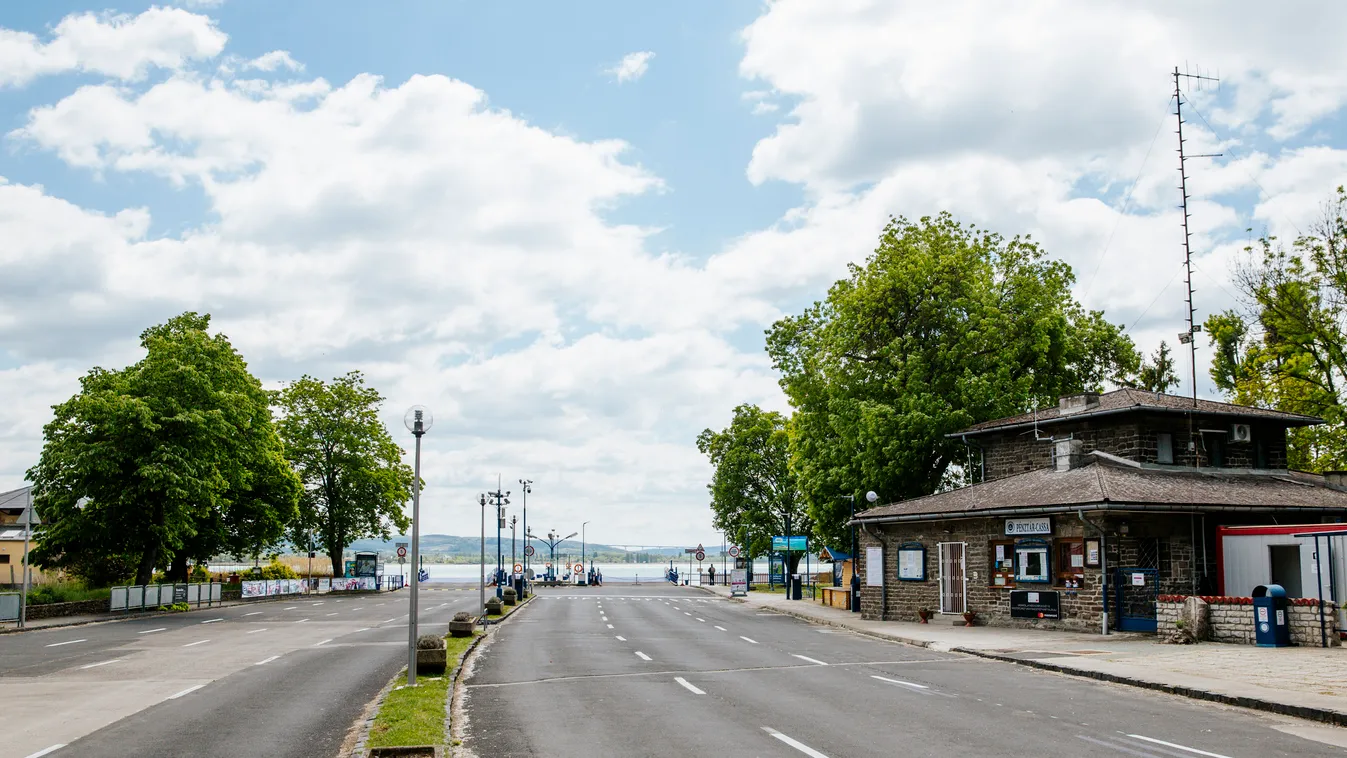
column 175, row 608
column 944, row 326
column 1157, row 373
column 274, row 570
column 1289, row 350
column 66, row 592
column 355, row 483
column 753, row 492
column 172, row 459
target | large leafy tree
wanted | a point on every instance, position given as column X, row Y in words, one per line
column 171, row 460
column 1287, row 348
column 355, row 483
column 944, row 326
column 753, row 491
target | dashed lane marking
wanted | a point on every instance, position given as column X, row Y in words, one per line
column 1176, row 746
column 621, row 638
column 721, row 628
column 324, row 642
column 332, row 614
column 211, row 621
column 610, row 626
column 198, row 642
column 254, row 613
column 255, row 631
column 67, row 642
column 187, row 691
column 301, row 621
column 642, row 656
column 688, row 686
column 901, row 682
column 46, row 751
column 803, row 748
column 100, row 663
column 152, row 631
column 266, row 660
column 745, row 639
column 807, row 658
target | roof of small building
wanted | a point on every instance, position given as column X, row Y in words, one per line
column 1132, row 400
column 1108, row 482
column 14, row 503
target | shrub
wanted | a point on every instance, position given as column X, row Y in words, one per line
column 65, row 592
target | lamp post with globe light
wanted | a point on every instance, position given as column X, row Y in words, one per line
column 525, row 487
column 418, row 421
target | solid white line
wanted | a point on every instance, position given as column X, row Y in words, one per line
column 212, row 621
column 1177, row 747
column 268, row 660
column 46, row 751
column 67, row 642
column 745, row 639
column 198, row 642
column 610, row 626
column 642, row 656
column 100, row 663
column 899, row 681
column 255, row 631
column 152, row 631
column 324, row 642
column 803, row 748
column 685, row 683
column 620, row 637
column 807, row 658
column 721, row 628
column 254, row 613
column 185, row 692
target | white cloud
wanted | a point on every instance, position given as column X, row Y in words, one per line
column 119, row 46
column 632, row 66
column 274, row 60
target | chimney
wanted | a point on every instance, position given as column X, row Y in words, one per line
column 1084, row 401
column 1068, row 454
column 1336, row 480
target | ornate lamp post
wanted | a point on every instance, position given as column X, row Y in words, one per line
column 418, row 421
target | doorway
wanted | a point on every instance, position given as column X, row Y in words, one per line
column 1285, row 561
column 953, row 596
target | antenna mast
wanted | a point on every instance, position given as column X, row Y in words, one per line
column 1193, row 327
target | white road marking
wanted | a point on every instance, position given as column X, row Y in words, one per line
column 389, row 621
column 803, row 748
column 324, row 642
column 610, row 626
column 807, row 658
column 745, row 639
column 691, row 688
column 605, row 618
column 254, row 613
column 301, row 621
column 332, row 614
column 363, row 629
column 100, row 663
column 642, row 656
column 320, row 602
column 67, row 642
column 899, row 681
column 620, row 637
column 212, row 621
column 46, row 751
column 1193, row 750
column 721, row 628
column 187, row 691
column 685, row 613
column 266, row 660
column 291, row 608
column 198, row 642
column 152, row 631
column 360, row 608
column 702, row 620
column 255, row 631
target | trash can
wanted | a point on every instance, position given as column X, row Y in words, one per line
column 1271, row 616
column 519, row 587
column 855, row 594
column 796, row 587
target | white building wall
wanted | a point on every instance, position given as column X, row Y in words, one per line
column 1247, row 563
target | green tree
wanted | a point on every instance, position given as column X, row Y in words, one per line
column 944, row 326
column 1157, row 374
column 1288, row 349
column 171, row 460
column 753, row 491
column 355, row 483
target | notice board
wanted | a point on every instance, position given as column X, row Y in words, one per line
column 1035, row 604
column 874, row 567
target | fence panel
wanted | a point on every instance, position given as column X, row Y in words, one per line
column 9, row 606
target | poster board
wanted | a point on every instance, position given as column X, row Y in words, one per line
column 738, row 582
column 912, row 562
column 874, row 567
column 1035, row 604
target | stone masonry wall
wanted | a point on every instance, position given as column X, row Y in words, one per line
column 1232, row 620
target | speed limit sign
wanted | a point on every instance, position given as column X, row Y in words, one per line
column 402, row 552
column 701, row 555
column 734, row 551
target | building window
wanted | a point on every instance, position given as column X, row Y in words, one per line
column 1070, row 562
column 1002, row 569
column 1164, row 448
column 4, row 557
column 1032, row 561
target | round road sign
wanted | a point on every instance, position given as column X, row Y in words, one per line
column 579, row 567
column 518, row 568
column 734, row 551
column 402, row 552
column 549, row 564
column 528, row 550
column 701, row 555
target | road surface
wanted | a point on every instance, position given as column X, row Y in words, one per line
column 667, row 671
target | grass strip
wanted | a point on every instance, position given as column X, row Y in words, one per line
column 415, row 715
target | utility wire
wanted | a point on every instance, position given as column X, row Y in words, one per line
column 1162, row 291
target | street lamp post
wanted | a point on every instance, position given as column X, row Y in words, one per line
column 481, row 590
column 582, row 545
column 27, row 536
column 525, row 487
column 418, row 421
column 513, row 521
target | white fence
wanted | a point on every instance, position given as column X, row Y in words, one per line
column 155, row 595
column 9, row 606
column 271, row 587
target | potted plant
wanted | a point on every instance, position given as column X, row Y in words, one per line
column 924, row 614
column 968, row 617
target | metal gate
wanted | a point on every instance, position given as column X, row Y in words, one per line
column 1136, row 588
column 952, row 585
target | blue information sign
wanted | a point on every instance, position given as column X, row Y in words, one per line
column 797, row 542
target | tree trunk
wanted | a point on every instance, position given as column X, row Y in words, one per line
column 177, row 571
column 338, row 567
column 145, row 571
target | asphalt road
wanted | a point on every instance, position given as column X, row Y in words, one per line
column 667, row 671
column 279, row 678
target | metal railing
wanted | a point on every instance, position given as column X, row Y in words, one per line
column 132, row 597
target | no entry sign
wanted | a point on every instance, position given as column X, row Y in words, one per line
column 734, row 551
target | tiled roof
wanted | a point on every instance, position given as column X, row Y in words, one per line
column 1109, row 483
column 15, row 502
column 1122, row 400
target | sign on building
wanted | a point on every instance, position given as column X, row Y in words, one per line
column 1032, row 604
column 1036, row 525
column 797, row 542
column 874, row 567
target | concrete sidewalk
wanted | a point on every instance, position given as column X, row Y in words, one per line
column 1306, row 682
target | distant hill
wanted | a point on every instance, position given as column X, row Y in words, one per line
column 445, row 544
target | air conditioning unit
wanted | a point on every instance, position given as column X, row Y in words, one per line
column 1240, row 433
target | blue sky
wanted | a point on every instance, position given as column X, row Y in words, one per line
column 574, row 272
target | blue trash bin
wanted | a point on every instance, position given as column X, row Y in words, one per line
column 1271, row 616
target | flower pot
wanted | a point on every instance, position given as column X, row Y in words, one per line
column 924, row 616
column 968, row 618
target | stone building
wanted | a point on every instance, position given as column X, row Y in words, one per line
column 1100, row 504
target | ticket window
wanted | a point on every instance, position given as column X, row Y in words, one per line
column 1002, row 570
column 1033, row 562
column 1070, row 563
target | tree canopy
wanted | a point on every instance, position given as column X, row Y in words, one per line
column 753, row 491
column 944, row 326
column 1287, row 348
column 355, row 483
column 171, row 460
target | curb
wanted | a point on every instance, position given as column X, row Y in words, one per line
column 1309, row 713
column 456, row 685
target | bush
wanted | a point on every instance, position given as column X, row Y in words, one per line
column 65, row 592
column 273, row 570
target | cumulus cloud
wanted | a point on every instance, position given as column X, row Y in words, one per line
column 118, row 46
column 274, row 60
column 632, row 66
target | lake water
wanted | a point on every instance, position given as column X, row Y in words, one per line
column 612, row 572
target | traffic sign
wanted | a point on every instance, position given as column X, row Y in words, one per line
column 528, row 550
column 579, row 567
column 549, row 564
column 518, row 568
column 734, row 551
column 402, row 552
column 701, row 554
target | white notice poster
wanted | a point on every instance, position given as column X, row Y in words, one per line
column 1138, row 579
column 909, row 564
column 1077, row 561
column 874, row 567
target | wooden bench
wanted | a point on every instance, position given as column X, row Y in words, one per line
column 837, row 597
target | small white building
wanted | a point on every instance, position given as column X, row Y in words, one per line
column 1248, row 556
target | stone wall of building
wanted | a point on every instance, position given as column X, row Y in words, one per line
column 1231, row 620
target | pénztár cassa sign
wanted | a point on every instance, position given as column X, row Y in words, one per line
column 1037, row 525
